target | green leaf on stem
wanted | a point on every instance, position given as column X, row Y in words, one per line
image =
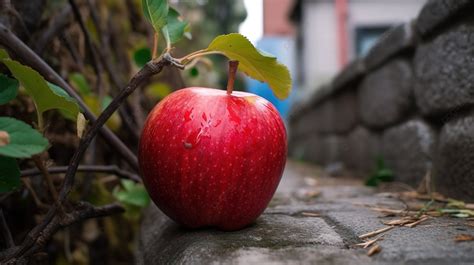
column 8, row 88
column 3, row 54
column 9, row 174
column 176, row 26
column 20, row 140
column 80, row 83
column 132, row 193
column 253, row 62
column 156, row 11
column 142, row 56
column 45, row 95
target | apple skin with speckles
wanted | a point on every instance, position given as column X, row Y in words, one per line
column 210, row 159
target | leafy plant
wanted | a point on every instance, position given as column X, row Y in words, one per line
column 381, row 174
column 133, row 196
column 255, row 63
column 8, row 89
column 46, row 96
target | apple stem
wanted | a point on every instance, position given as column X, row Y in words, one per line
column 233, row 65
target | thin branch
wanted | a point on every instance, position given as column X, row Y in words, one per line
column 113, row 169
column 376, row 232
column 44, row 171
column 58, row 23
column 105, row 59
column 31, row 244
column 92, row 49
column 143, row 75
column 25, row 54
column 82, row 211
column 5, row 231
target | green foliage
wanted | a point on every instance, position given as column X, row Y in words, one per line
column 46, row 96
column 142, row 56
column 79, row 81
column 158, row 90
column 23, row 142
column 8, row 89
column 194, row 72
column 156, row 11
column 382, row 174
column 256, row 64
column 176, row 26
column 132, row 193
column 458, row 213
column 133, row 197
column 166, row 20
column 9, row 174
column 3, row 54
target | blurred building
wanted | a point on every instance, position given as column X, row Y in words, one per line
column 333, row 32
column 278, row 39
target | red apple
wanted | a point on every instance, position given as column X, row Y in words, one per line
column 212, row 159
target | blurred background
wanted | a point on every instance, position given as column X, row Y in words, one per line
column 317, row 38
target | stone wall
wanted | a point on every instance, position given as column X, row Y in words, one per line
column 410, row 100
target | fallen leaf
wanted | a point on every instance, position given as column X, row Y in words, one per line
column 464, row 237
column 403, row 221
column 369, row 243
column 374, row 250
column 376, row 232
column 310, row 181
column 310, row 214
column 417, row 222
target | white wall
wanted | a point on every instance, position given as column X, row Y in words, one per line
column 320, row 40
column 379, row 12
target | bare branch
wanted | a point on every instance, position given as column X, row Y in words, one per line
column 82, row 211
column 113, row 169
column 25, row 54
column 5, row 231
column 32, row 242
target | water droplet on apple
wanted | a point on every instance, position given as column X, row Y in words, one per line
column 188, row 115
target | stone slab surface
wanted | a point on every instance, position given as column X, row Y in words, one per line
column 286, row 234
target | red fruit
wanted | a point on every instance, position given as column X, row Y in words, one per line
column 212, row 159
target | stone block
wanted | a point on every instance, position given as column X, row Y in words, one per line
column 305, row 124
column 349, row 75
column 391, row 43
column 386, row 95
column 345, row 110
column 407, row 149
column 362, row 149
column 437, row 12
column 453, row 171
column 443, row 69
